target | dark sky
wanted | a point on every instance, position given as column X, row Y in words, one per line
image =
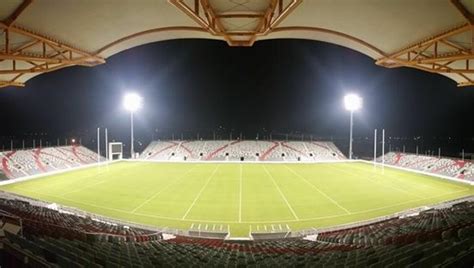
column 198, row 85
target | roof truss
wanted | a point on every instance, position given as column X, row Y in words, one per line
column 238, row 26
column 447, row 52
column 439, row 54
column 35, row 53
column 24, row 53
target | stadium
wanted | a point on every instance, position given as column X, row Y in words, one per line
column 229, row 197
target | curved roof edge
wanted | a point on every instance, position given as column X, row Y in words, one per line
column 435, row 36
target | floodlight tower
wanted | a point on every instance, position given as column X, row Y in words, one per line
column 132, row 102
column 352, row 102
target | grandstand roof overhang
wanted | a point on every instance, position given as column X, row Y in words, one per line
column 45, row 35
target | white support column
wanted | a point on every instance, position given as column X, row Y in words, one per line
column 375, row 145
column 98, row 145
column 350, row 136
column 106, row 145
column 383, row 146
column 417, row 150
column 462, row 154
column 439, row 152
column 132, row 151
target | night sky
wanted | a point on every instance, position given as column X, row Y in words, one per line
column 201, row 86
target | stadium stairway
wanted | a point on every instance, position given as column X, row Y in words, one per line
column 242, row 150
column 269, row 151
column 455, row 168
column 36, row 154
column 5, row 167
column 215, row 152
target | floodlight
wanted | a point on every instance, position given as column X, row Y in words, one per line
column 352, row 102
column 132, row 102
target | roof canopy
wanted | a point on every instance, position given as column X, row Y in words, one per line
column 45, row 35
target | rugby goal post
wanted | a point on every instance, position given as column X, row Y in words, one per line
column 115, row 151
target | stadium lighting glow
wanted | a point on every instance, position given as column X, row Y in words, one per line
column 132, row 102
column 352, row 102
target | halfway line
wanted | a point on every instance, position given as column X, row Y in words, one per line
column 240, row 198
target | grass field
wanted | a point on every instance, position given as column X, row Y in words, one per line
column 241, row 196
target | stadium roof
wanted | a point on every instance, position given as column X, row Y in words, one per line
column 45, row 35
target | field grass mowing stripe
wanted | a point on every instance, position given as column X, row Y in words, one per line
column 200, row 192
column 93, row 172
column 245, row 222
column 225, row 194
column 172, row 182
column 317, row 189
column 240, row 195
column 281, row 193
column 90, row 174
column 128, row 171
column 409, row 201
column 84, row 187
column 386, row 185
column 72, row 200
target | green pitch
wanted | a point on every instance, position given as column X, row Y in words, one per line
column 241, row 196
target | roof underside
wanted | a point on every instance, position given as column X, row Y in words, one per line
column 45, row 35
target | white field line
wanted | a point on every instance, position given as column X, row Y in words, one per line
column 375, row 181
column 239, row 162
column 163, row 189
column 82, row 188
column 200, row 192
column 319, row 191
column 281, row 193
column 98, row 182
column 233, row 222
column 240, row 195
column 96, row 175
column 416, row 187
column 300, row 220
